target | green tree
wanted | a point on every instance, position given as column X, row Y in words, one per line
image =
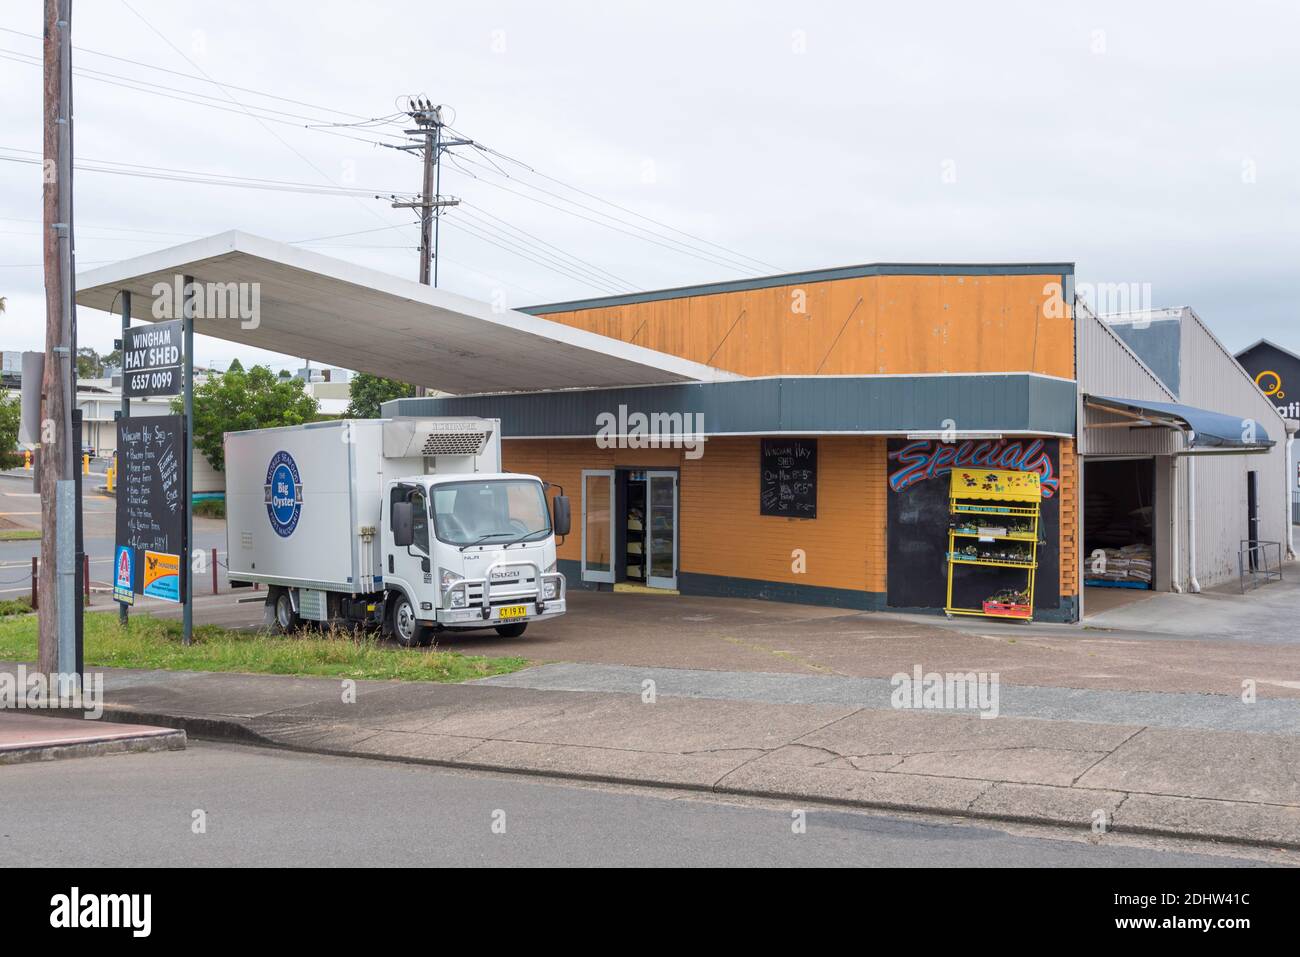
column 236, row 400
column 10, row 415
column 370, row 391
column 89, row 364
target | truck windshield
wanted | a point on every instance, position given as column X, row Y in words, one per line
column 490, row 512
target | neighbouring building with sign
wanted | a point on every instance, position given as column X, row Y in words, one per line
column 1277, row 373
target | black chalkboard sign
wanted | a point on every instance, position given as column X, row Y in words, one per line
column 788, row 478
column 151, row 487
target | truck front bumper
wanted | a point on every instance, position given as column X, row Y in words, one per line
column 474, row 603
column 473, row 617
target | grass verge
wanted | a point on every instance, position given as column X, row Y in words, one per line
column 210, row 508
column 19, row 534
column 149, row 642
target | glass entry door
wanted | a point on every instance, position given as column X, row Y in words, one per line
column 598, row 525
column 661, row 566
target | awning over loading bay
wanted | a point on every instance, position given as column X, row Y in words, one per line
column 1205, row 430
column 340, row 314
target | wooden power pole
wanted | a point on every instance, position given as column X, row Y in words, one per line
column 57, row 456
column 429, row 141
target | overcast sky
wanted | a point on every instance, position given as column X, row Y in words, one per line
column 1148, row 143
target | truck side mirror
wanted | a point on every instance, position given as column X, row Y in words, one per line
column 562, row 519
column 403, row 521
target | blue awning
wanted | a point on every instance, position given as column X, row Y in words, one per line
column 1204, row 429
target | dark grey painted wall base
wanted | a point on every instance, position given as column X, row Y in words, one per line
column 572, row 572
column 721, row 586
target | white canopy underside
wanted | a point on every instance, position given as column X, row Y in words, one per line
column 340, row 314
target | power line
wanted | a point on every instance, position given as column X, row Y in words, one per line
column 522, row 254
column 31, row 60
column 681, row 232
column 285, row 143
column 202, row 79
column 589, row 275
column 577, row 259
column 657, row 242
column 264, row 114
column 203, row 99
column 116, row 229
column 190, row 176
column 686, row 248
column 356, row 232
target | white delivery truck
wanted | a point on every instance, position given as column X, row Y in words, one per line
column 406, row 523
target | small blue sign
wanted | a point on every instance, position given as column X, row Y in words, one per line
column 124, row 575
column 283, row 492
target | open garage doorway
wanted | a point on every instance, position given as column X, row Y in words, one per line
column 1119, row 525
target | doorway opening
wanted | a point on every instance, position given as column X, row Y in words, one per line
column 1118, row 523
column 629, row 527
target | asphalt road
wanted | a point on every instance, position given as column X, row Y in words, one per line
column 21, row 506
column 278, row 808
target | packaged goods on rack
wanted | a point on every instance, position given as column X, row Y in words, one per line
column 1006, row 533
column 1130, row 564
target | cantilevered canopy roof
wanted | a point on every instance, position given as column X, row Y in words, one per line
column 1205, row 430
column 340, row 314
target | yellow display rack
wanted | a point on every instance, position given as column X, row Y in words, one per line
column 994, row 493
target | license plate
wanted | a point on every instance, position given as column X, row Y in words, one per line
column 513, row 611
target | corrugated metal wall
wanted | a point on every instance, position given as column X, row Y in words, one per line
column 1212, row 379
column 1108, row 367
column 1209, row 378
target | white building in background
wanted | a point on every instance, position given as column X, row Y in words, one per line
column 100, row 401
column 331, row 388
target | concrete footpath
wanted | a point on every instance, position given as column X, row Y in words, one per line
column 1213, row 769
column 32, row 736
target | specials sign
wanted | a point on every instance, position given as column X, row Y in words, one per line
column 918, row 517
column 927, row 459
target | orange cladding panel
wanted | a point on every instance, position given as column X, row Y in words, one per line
column 860, row 326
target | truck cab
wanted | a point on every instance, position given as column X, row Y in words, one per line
column 466, row 551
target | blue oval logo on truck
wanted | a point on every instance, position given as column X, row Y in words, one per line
column 283, row 494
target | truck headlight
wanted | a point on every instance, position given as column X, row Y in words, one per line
column 550, row 589
column 446, row 581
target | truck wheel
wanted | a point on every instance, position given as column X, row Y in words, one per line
column 512, row 631
column 286, row 620
column 406, row 627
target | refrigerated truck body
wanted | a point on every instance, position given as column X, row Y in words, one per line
column 405, row 523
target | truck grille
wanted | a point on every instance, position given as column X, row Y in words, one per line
column 507, row 594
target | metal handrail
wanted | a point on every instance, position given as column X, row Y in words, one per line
column 1253, row 564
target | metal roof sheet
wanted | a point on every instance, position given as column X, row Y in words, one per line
column 338, row 313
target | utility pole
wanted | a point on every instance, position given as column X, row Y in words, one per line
column 59, row 597
column 123, row 612
column 429, row 141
